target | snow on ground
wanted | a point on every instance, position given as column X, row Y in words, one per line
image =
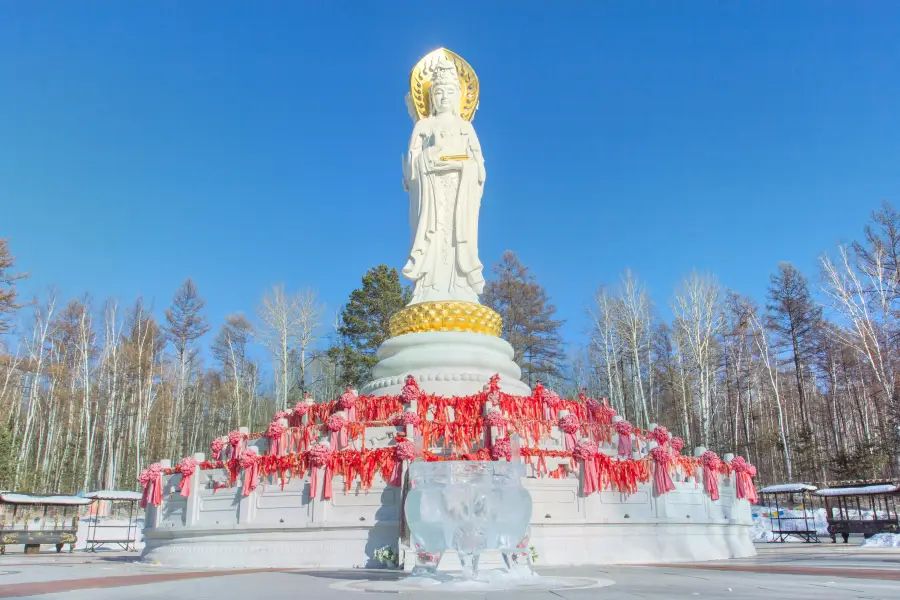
column 764, row 517
column 883, row 540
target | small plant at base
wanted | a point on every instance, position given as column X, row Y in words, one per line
column 386, row 556
column 534, row 554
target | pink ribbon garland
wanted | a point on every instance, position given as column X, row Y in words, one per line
column 742, row 483
column 570, row 425
column 749, row 475
column 586, row 455
column 250, row 463
column 404, row 450
column 623, row 428
column 319, row 456
column 238, row 444
column 187, row 466
column 662, row 481
column 711, row 474
column 337, row 424
column 151, row 479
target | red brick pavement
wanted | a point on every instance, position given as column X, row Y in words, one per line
column 17, row 590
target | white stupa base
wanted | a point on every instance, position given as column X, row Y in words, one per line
column 445, row 363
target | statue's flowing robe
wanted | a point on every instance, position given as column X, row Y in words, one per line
column 422, row 182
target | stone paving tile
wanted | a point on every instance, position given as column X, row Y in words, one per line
column 796, row 574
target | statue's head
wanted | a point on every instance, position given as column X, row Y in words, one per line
column 445, row 90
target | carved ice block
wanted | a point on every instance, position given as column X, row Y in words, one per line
column 467, row 506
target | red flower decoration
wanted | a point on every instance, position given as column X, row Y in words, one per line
column 335, row 422
column 495, row 418
column 660, row 434
column 677, row 444
column 623, row 428
column 408, row 417
column 348, row 399
column 583, row 451
column 711, row 459
column 501, row 449
column 551, row 398
column 281, row 414
column 606, row 413
column 300, row 409
column 319, row 455
column 739, row 465
column 404, row 450
column 249, row 459
column 410, row 391
column 187, row 466
column 275, row 430
column 660, row 455
column 569, row 423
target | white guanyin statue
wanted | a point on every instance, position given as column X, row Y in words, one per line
column 444, row 174
column 444, row 338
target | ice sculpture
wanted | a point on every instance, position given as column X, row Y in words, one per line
column 467, row 506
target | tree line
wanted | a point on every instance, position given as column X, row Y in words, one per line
column 802, row 383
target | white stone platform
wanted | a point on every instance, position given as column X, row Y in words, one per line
column 445, row 363
column 286, row 528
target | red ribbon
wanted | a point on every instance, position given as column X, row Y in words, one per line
column 662, row 481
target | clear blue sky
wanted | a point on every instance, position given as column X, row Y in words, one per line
column 247, row 143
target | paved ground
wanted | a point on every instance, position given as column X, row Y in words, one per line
column 818, row 572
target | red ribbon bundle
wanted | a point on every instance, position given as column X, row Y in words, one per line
column 411, row 391
column 404, row 450
column 151, row 480
column 187, row 467
column 347, row 402
column 623, row 428
column 591, row 405
column 320, row 456
column 586, row 454
column 743, row 483
column 408, row 417
column 662, row 481
column 661, row 435
column 250, row 464
column 569, row 424
column 496, row 419
column 711, row 464
column 238, row 444
column 277, row 438
column 217, row 446
column 501, row 449
column 300, row 410
column 336, row 425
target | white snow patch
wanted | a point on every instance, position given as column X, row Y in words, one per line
column 883, row 540
column 884, row 488
column 787, row 487
column 13, row 498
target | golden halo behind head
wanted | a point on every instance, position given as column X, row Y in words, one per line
column 420, row 82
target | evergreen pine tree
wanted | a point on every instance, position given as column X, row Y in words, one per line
column 365, row 320
column 528, row 318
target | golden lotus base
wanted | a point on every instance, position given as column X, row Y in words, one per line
column 446, row 316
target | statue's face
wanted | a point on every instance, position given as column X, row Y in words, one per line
column 445, row 98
